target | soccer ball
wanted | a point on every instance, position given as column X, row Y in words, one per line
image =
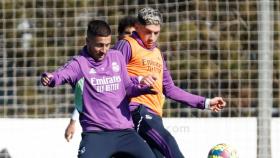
column 222, row 151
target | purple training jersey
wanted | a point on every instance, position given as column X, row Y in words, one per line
column 101, row 90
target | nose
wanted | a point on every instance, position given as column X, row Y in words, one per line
column 152, row 37
column 104, row 49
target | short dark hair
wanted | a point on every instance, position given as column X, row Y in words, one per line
column 125, row 22
column 98, row 28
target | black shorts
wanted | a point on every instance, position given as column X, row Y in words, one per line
column 150, row 127
column 113, row 144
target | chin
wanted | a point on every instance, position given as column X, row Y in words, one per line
column 149, row 46
column 101, row 58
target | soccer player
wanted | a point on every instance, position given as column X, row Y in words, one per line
column 102, row 90
column 125, row 28
column 143, row 58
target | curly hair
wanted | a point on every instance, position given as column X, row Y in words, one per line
column 149, row 16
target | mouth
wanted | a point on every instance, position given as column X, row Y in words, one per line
column 100, row 57
column 149, row 45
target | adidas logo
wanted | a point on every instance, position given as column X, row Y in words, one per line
column 92, row 71
column 82, row 150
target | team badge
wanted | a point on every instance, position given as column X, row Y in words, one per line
column 115, row 67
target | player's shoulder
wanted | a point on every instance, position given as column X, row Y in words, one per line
column 115, row 53
column 121, row 44
column 127, row 38
column 82, row 56
column 78, row 59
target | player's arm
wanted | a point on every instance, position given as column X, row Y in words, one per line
column 68, row 73
column 175, row 93
column 124, row 47
column 133, row 89
column 195, row 101
column 70, row 129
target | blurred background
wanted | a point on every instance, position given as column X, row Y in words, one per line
column 227, row 48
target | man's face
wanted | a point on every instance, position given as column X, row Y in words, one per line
column 127, row 31
column 98, row 46
column 148, row 34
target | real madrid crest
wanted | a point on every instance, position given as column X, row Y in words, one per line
column 115, row 67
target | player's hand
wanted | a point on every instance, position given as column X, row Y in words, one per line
column 217, row 104
column 148, row 89
column 69, row 131
column 151, row 90
column 46, row 79
column 148, row 80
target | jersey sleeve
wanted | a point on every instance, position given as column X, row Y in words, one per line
column 175, row 93
column 124, row 47
column 68, row 73
column 75, row 115
column 133, row 89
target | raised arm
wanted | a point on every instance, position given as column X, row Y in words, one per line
column 68, row 73
column 195, row 101
column 175, row 93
